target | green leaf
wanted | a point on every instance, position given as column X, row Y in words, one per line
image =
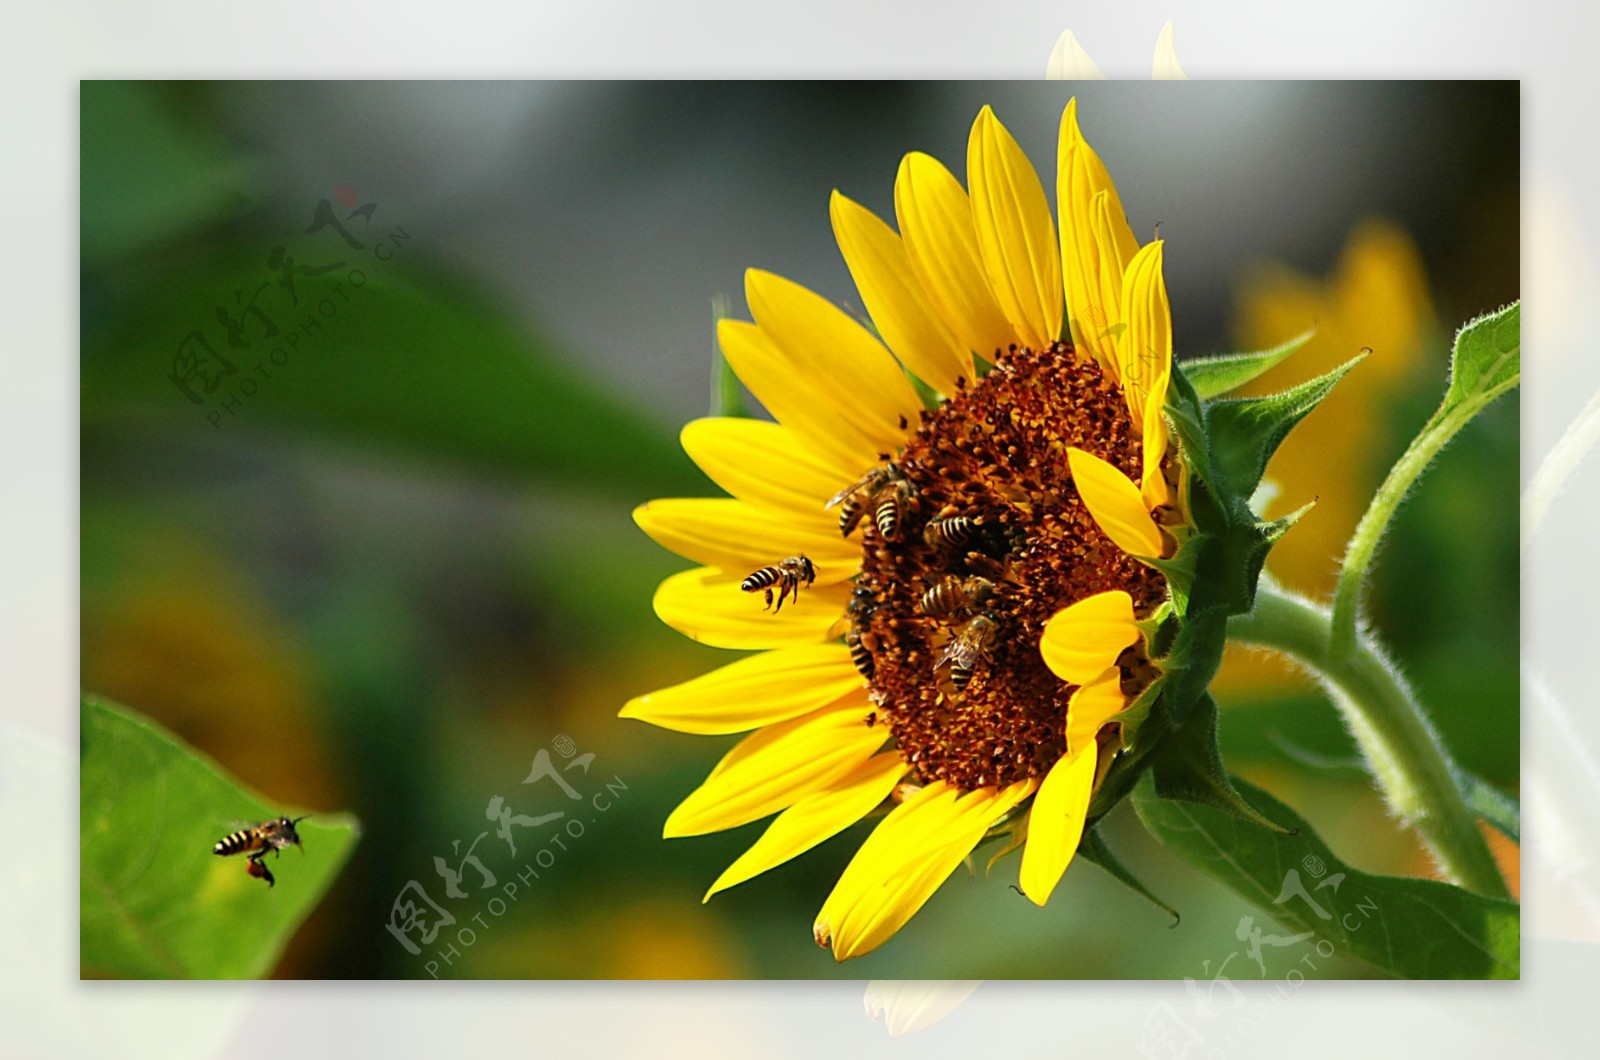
column 1487, row 358
column 154, row 902
column 1245, row 432
column 407, row 363
column 1214, row 376
column 146, row 176
column 1502, row 811
column 1412, row 929
column 1188, row 766
column 1093, row 848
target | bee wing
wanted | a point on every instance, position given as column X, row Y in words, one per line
column 860, row 484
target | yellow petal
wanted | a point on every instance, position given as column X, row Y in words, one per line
column 765, row 464
column 817, row 817
column 839, row 359
column 788, row 389
column 1147, row 361
column 895, row 298
column 1069, row 62
column 935, row 219
column 1146, row 346
column 738, row 538
column 1165, row 65
column 1097, row 702
column 1096, row 242
column 759, row 690
column 1016, row 237
column 905, row 859
column 1115, row 503
column 707, row 605
column 1055, row 824
column 776, row 766
column 1082, row 640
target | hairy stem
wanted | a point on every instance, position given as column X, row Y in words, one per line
column 1364, row 542
column 1413, row 769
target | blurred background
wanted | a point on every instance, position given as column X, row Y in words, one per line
column 366, row 541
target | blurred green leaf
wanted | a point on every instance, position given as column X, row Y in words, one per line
column 145, row 176
column 404, row 362
column 1413, row 929
column 154, row 902
column 1213, row 376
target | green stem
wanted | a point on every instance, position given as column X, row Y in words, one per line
column 1436, row 434
column 1412, row 767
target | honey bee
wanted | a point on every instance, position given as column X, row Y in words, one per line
column 953, row 531
column 268, row 837
column 861, row 641
column 893, row 504
column 885, row 491
column 971, row 644
column 786, row 575
column 952, row 594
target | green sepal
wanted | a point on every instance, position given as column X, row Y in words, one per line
column 1244, row 432
column 1196, row 654
column 1188, row 767
column 1137, row 713
column 1244, row 555
column 1093, row 848
column 1179, row 571
column 1215, row 376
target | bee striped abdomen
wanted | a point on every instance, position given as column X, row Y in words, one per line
column 850, row 516
column 887, row 518
column 859, row 654
column 761, row 579
column 236, row 843
column 954, row 531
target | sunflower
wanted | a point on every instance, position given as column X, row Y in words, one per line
column 979, row 514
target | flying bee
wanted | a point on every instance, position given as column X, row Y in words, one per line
column 971, row 644
column 953, row 531
column 786, row 575
column 883, row 490
column 861, row 641
column 952, row 594
column 268, row 837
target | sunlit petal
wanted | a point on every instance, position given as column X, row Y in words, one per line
column 776, row 766
column 1016, row 237
column 1055, row 824
column 759, row 690
column 899, row 306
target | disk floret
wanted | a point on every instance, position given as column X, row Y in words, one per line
column 999, row 542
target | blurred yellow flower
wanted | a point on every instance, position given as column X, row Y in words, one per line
column 1377, row 298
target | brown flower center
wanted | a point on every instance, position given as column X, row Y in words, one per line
column 973, row 539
